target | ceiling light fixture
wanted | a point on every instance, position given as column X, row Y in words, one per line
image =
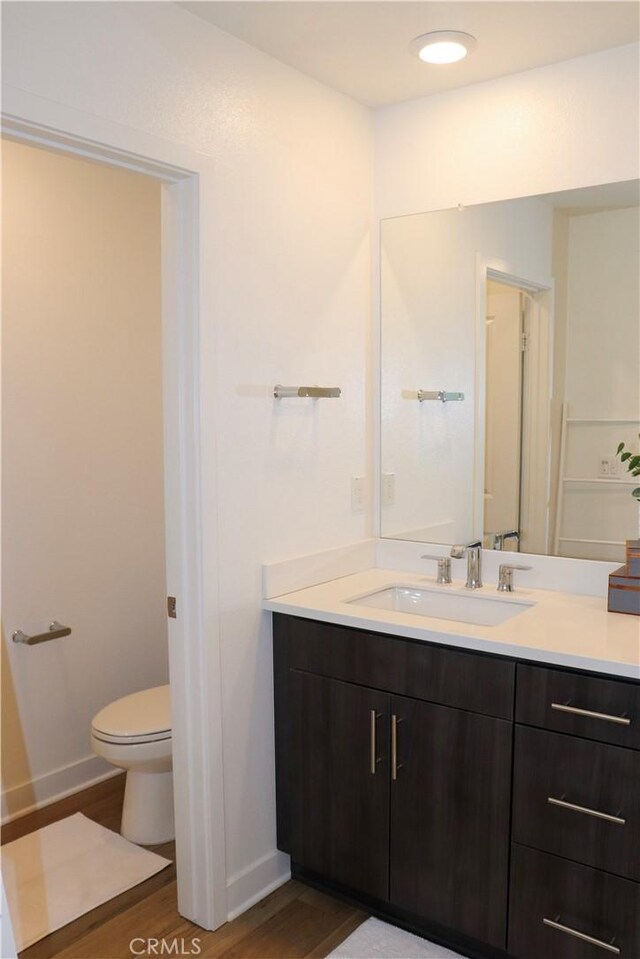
column 443, row 46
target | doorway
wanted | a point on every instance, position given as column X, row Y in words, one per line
column 516, row 415
column 187, row 243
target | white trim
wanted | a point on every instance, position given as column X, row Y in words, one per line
column 248, row 886
column 538, row 426
column 18, row 801
column 194, row 644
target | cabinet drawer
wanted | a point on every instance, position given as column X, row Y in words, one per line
column 579, row 799
column 604, row 709
column 561, row 910
column 469, row 681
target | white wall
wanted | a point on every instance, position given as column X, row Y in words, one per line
column 564, row 126
column 83, row 505
column 430, row 338
column 601, row 380
column 292, row 212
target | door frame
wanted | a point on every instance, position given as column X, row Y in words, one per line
column 535, row 491
column 188, row 347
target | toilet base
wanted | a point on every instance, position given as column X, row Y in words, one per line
column 147, row 812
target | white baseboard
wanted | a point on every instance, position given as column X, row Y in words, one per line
column 19, row 800
column 250, row 885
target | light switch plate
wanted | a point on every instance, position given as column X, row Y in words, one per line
column 357, row 494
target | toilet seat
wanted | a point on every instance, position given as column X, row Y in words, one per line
column 143, row 717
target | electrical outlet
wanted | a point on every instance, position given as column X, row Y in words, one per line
column 609, row 467
column 388, row 489
column 357, row 494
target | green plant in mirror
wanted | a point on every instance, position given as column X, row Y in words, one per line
column 632, row 463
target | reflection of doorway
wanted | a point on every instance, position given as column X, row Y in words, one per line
column 517, row 367
column 503, row 424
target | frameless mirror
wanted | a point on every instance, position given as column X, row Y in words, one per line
column 510, row 363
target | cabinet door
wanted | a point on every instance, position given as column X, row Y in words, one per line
column 340, row 809
column 450, row 817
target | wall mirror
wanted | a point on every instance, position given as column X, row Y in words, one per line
column 510, row 372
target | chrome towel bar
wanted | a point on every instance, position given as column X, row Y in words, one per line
column 56, row 630
column 441, row 395
column 316, row 392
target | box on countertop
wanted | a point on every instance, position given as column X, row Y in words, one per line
column 633, row 556
column 624, row 592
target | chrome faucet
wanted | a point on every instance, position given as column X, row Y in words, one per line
column 473, row 552
column 497, row 539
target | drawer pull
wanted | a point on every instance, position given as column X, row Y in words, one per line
column 564, row 708
column 373, row 760
column 586, row 810
column 581, row 935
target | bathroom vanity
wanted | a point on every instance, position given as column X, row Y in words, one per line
column 479, row 791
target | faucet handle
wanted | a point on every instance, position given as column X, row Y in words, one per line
column 505, row 576
column 459, row 551
column 444, row 567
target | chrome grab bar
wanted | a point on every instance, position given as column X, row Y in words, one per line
column 585, row 809
column 581, row 935
column 56, row 630
column 566, row 708
column 441, row 395
column 315, row 392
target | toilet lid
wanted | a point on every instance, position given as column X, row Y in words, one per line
column 147, row 713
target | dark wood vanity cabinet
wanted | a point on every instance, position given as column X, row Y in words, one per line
column 445, row 790
column 395, row 797
column 575, row 864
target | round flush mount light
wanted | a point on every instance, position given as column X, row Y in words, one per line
column 443, row 46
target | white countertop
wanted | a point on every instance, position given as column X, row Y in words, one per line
column 558, row 629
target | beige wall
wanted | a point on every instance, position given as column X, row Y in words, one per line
column 83, row 536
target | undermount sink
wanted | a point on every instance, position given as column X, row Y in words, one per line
column 443, row 604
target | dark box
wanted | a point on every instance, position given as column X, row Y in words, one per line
column 633, row 557
column 624, row 592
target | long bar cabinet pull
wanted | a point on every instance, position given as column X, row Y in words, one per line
column 566, row 708
column 585, row 809
column 56, row 630
column 395, row 765
column 372, row 744
column 581, row 935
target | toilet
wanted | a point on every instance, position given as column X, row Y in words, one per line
column 134, row 733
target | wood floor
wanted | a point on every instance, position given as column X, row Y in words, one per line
column 294, row 922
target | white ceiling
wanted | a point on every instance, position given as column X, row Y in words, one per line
column 360, row 47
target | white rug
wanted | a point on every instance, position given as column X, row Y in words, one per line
column 378, row 940
column 58, row 873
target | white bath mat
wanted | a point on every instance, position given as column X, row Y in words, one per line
column 378, row 940
column 58, row 873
